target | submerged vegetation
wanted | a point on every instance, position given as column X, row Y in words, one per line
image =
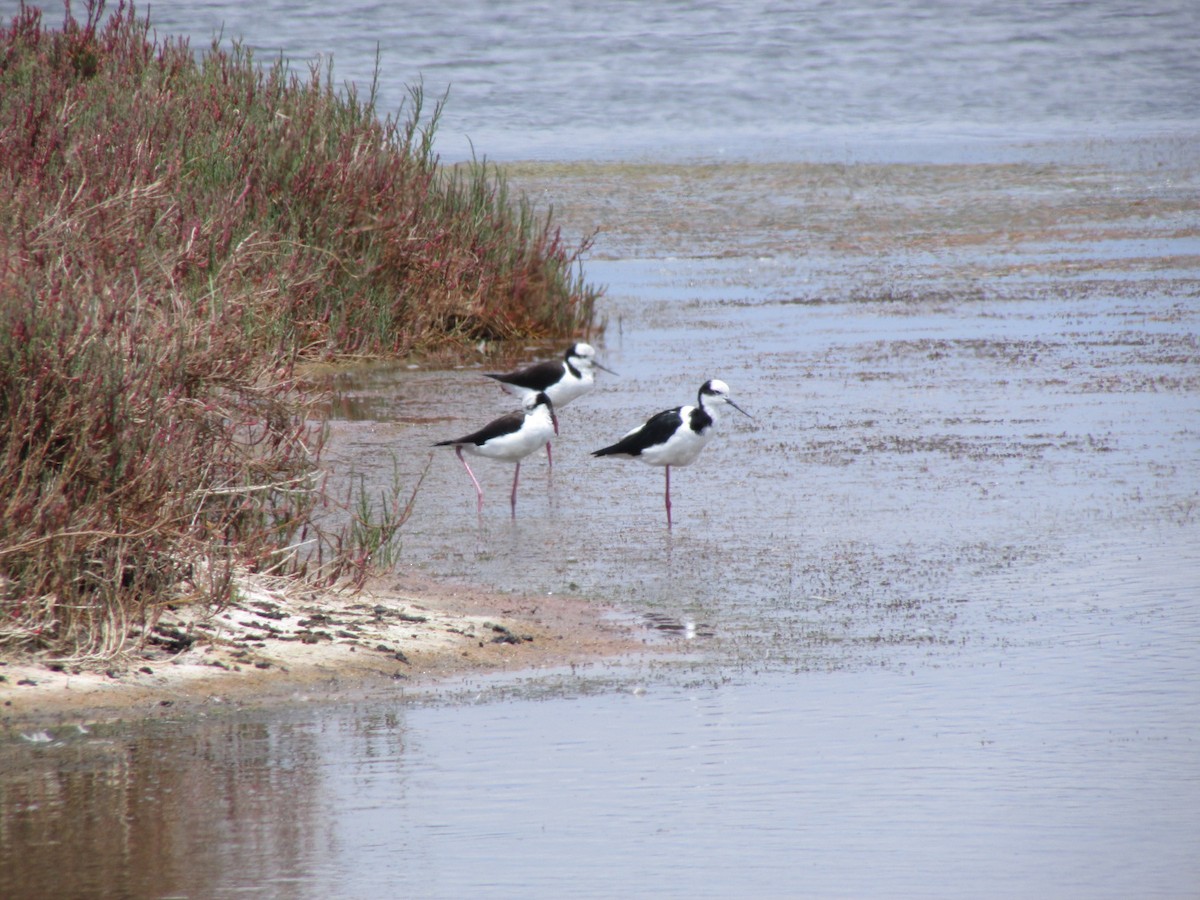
column 178, row 233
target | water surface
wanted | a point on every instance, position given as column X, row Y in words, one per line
column 537, row 80
column 939, row 600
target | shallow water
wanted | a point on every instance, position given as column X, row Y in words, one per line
column 940, row 598
column 1050, row 775
column 922, row 431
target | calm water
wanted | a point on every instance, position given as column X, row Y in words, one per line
column 1045, row 778
column 951, row 568
column 601, row 78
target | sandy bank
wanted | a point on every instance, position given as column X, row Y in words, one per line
column 270, row 646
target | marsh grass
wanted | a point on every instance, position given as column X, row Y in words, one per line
column 178, row 235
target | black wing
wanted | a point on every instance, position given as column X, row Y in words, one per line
column 657, row 430
column 506, row 424
column 534, row 378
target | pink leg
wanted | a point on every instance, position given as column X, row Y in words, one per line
column 516, row 477
column 549, row 458
column 668, row 498
column 478, row 489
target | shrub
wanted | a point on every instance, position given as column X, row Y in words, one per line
column 176, row 236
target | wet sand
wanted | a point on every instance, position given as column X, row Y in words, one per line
column 861, row 211
column 405, row 632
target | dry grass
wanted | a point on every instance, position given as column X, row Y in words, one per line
column 176, row 235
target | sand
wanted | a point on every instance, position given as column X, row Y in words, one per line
column 272, row 646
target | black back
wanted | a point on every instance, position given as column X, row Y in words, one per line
column 535, row 378
column 506, row 424
column 541, row 375
column 657, row 430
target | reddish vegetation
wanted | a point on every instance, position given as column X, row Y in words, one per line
column 175, row 235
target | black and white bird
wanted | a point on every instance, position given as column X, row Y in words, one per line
column 510, row 438
column 561, row 380
column 675, row 437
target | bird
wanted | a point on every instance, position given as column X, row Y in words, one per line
column 510, row 438
column 675, row 437
column 561, row 381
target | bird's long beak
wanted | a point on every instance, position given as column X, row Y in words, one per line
column 605, row 368
column 738, row 408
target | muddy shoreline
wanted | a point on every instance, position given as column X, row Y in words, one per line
column 403, row 631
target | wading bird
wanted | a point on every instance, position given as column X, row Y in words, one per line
column 561, row 381
column 510, row 438
column 675, row 437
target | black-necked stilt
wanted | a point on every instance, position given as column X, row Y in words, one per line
column 675, row 437
column 510, row 438
column 562, row 381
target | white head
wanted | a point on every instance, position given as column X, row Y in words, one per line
column 713, row 394
column 583, row 356
column 582, row 352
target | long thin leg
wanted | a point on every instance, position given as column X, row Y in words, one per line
column 516, row 478
column 668, row 498
column 549, row 458
column 478, row 489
